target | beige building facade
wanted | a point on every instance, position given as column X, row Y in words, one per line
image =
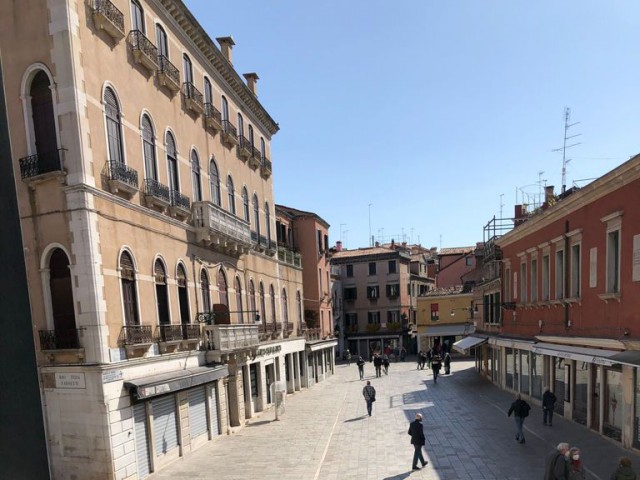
column 163, row 315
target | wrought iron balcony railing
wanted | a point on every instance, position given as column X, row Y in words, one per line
column 144, row 52
column 213, row 117
column 179, row 200
column 256, row 158
column 41, row 163
column 168, row 74
column 265, row 168
column 123, row 173
column 176, row 333
column 244, row 147
column 157, row 191
column 136, row 335
column 59, row 339
column 108, row 18
column 193, row 97
column 229, row 134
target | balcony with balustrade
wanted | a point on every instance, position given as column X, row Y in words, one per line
column 213, row 118
column 173, row 338
column 220, row 230
column 144, row 52
column 61, row 346
column 244, row 148
column 256, row 158
column 122, row 178
column 192, row 98
column 224, row 341
column 168, row 74
column 265, row 168
column 289, row 257
column 156, row 194
column 108, row 18
column 229, row 134
column 180, row 205
column 136, row 339
column 42, row 166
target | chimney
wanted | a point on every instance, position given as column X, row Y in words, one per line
column 252, row 82
column 338, row 246
column 549, row 198
column 520, row 214
column 393, row 244
column 226, row 45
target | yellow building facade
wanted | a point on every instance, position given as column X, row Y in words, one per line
column 444, row 314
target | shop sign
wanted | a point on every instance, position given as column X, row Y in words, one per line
column 111, row 376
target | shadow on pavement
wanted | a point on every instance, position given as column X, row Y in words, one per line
column 356, row 419
column 261, row 422
column 398, row 477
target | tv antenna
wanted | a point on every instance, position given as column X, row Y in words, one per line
column 563, row 149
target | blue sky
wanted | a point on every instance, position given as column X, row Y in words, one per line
column 429, row 110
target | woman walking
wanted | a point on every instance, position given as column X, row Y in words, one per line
column 574, row 465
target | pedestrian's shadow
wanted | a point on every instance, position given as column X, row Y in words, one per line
column 356, row 419
column 398, row 477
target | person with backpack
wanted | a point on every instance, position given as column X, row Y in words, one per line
column 520, row 410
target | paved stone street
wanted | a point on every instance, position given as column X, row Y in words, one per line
column 326, row 434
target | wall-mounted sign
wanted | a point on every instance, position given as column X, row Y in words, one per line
column 268, row 350
column 111, row 376
column 70, row 380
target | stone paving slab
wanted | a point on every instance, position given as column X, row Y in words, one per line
column 326, row 434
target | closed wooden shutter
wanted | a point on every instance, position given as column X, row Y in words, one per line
column 165, row 428
column 141, row 439
column 197, row 412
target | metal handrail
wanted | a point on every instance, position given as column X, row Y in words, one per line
column 139, row 41
column 136, row 334
column 180, row 200
column 229, row 129
column 59, row 339
column 157, row 189
column 123, row 173
column 110, row 11
column 212, row 112
column 40, row 163
column 167, row 68
column 190, row 91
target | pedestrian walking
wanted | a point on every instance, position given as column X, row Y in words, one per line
column 377, row 363
column 624, row 470
column 417, row 440
column 435, row 367
column 447, row 363
column 348, row 357
column 520, row 410
column 403, row 354
column 419, row 360
column 369, row 394
column 548, row 404
column 385, row 364
column 429, row 356
column 360, row 364
column 575, row 470
column 555, row 467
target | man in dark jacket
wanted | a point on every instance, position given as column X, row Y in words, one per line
column 360, row 364
column 555, row 467
column 417, row 440
column 548, row 404
column 377, row 362
column 369, row 394
column 520, row 410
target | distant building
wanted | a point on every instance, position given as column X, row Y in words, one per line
column 445, row 315
column 453, row 264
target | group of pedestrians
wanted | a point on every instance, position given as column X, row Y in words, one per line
column 565, row 463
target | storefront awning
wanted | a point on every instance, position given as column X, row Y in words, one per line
column 468, row 342
column 630, row 357
column 512, row 343
column 590, row 355
column 454, row 330
column 155, row 385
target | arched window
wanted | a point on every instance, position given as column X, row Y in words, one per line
column 267, row 220
column 239, row 300
column 272, row 294
column 60, row 288
column 299, row 306
column 162, row 297
column 114, row 126
column 149, row 148
column 285, row 307
column 204, row 288
column 137, row 16
column 245, row 205
column 240, row 125
column 172, row 163
column 262, row 149
column 214, row 182
column 256, row 213
column 263, row 308
column 232, row 196
column 188, row 68
column 183, row 294
column 44, row 125
column 222, row 288
column 129, row 296
column 208, row 91
column 195, row 175
column 253, row 314
column 251, row 136
column 161, row 42
column 225, row 109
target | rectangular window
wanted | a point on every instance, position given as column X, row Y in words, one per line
column 373, row 292
column 613, row 261
column 469, row 261
column 507, row 286
column 393, row 290
column 435, row 312
column 575, row 270
column 534, row 281
column 320, row 280
column 349, row 270
column 372, row 268
column 559, row 278
column 373, row 318
column 392, row 266
column 393, row 316
column 523, row 283
column 545, row 278
column 320, row 249
column 350, row 293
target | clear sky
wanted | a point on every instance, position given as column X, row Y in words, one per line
column 430, row 110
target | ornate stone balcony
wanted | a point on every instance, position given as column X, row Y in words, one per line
column 223, row 341
column 220, row 230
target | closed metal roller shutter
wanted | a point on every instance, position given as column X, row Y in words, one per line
column 142, row 440
column 215, row 426
column 165, row 428
column 197, row 412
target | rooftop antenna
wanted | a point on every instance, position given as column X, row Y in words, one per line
column 370, row 237
column 501, row 204
column 540, row 182
column 342, row 225
column 563, row 149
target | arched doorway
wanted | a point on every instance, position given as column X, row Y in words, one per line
column 64, row 318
